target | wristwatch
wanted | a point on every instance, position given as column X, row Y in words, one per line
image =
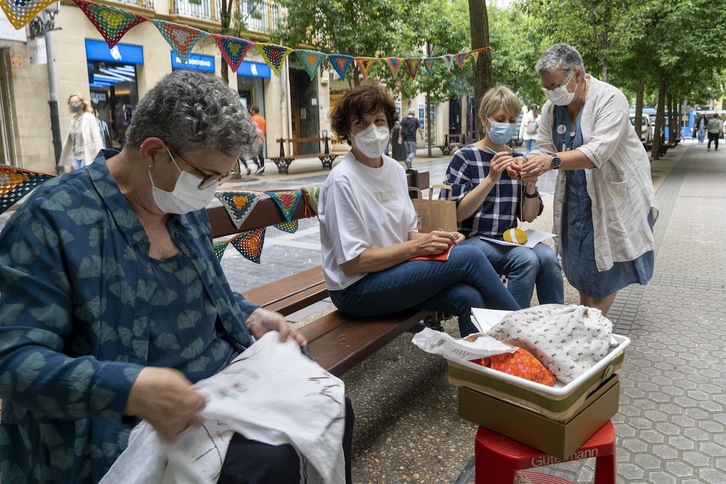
column 555, row 163
column 534, row 195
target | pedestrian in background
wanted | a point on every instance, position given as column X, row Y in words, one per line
column 105, row 131
column 715, row 128
column 528, row 128
column 604, row 205
column 259, row 158
column 83, row 141
column 701, row 126
column 409, row 127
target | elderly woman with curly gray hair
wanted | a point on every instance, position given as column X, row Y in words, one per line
column 112, row 302
column 604, row 207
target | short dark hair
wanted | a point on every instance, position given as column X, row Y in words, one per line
column 363, row 99
column 254, row 109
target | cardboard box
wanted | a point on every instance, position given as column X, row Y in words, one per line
column 557, row 439
column 560, row 403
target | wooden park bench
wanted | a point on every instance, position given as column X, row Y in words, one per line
column 452, row 142
column 283, row 161
column 338, row 342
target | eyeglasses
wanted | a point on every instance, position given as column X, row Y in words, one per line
column 207, row 180
column 564, row 83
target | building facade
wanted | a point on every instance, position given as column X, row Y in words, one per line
column 113, row 80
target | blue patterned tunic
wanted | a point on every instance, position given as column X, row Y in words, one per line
column 83, row 309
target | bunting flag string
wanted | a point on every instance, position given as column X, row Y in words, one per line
column 16, row 182
column 21, row 13
column 181, row 38
column 238, row 205
column 219, row 248
column 460, row 58
column 394, row 63
column 340, row 64
column 274, row 55
column 412, row 64
column 448, row 60
column 233, row 49
column 310, row 59
column 111, row 22
column 249, row 244
column 287, row 200
column 289, row 227
column 312, row 195
column 428, row 64
column 364, row 64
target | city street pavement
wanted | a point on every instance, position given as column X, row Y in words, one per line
column 671, row 425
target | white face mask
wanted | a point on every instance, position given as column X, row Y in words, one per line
column 560, row 96
column 372, row 141
column 186, row 196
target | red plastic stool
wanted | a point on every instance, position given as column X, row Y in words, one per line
column 498, row 458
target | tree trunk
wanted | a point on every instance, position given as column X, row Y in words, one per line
column 479, row 23
column 226, row 18
column 639, row 90
column 659, row 120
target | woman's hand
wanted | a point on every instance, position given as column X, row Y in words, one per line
column 166, row 399
column 436, row 242
column 500, row 162
column 535, row 166
column 262, row 320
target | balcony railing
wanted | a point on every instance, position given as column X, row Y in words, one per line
column 259, row 16
column 139, row 3
column 198, row 9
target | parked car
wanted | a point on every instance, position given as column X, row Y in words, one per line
column 646, row 130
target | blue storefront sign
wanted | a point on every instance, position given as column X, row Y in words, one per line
column 254, row 69
column 195, row 62
column 97, row 50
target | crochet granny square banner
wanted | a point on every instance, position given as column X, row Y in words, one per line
column 412, row 64
column 249, row 244
column 219, row 248
column 181, row 38
column 287, row 201
column 20, row 13
column 233, row 49
column 394, row 63
column 16, row 182
column 238, row 205
column 341, row 63
column 365, row 63
column 310, row 59
column 428, row 64
column 274, row 55
column 111, row 22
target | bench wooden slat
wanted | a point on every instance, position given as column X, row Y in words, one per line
column 338, row 343
column 292, row 293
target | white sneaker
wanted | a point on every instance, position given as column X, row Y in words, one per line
column 260, row 170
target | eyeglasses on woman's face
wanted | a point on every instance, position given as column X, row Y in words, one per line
column 207, row 179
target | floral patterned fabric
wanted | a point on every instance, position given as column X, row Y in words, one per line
column 83, row 311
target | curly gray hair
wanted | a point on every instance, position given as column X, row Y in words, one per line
column 560, row 56
column 193, row 111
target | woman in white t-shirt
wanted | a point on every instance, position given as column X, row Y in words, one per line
column 369, row 230
column 528, row 128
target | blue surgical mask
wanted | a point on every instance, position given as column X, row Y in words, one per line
column 501, row 133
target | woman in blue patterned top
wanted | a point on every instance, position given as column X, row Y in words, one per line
column 112, row 301
column 490, row 199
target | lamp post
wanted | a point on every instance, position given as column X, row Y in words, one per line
column 43, row 25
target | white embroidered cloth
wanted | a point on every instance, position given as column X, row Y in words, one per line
column 270, row 393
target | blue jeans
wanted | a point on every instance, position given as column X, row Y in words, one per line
column 529, row 145
column 524, row 269
column 467, row 280
column 411, row 152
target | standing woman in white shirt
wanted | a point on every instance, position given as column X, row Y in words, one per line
column 83, row 141
column 529, row 127
column 604, row 206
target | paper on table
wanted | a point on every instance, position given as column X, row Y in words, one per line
column 534, row 237
column 440, row 343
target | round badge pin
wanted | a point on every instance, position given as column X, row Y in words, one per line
column 561, row 129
